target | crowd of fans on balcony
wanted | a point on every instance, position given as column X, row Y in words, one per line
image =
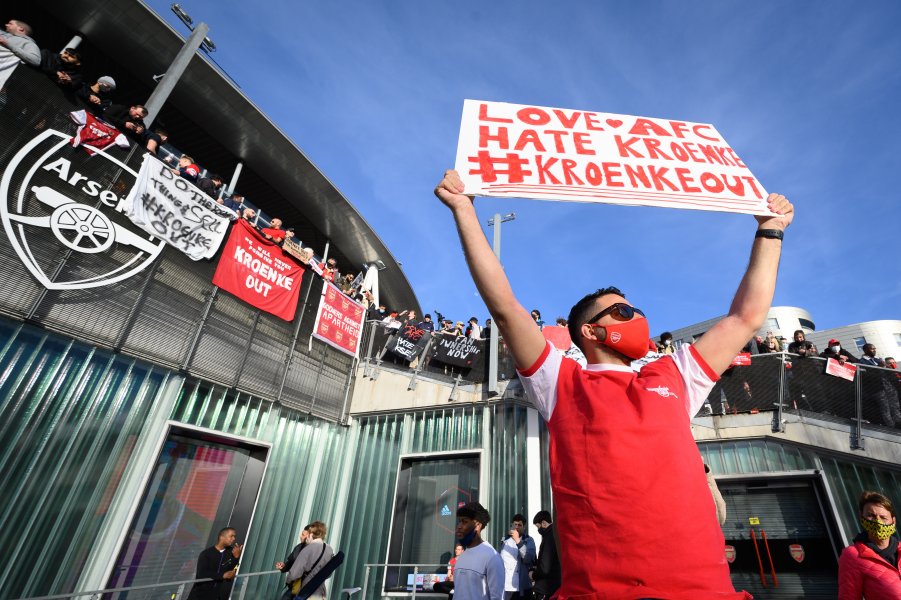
column 98, row 96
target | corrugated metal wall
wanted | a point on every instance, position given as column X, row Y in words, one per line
column 71, row 416
column 846, row 477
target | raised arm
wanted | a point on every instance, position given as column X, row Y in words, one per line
column 755, row 293
column 512, row 320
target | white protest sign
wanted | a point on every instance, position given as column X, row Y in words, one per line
column 515, row 150
column 174, row 210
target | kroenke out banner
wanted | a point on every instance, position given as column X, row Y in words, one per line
column 515, row 150
column 257, row 271
column 339, row 321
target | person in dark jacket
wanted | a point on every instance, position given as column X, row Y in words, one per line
column 127, row 119
column 834, row 350
column 211, row 186
column 546, row 575
column 869, row 567
column 219, row 563
column 285, row 566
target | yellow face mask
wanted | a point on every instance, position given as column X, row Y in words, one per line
column 876, row 529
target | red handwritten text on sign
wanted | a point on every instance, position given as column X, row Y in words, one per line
column 551, row 153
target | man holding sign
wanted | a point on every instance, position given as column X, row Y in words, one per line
column 634, row 513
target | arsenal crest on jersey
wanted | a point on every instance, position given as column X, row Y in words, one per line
column 60, row 209
column 730, row 554
column 797, row 552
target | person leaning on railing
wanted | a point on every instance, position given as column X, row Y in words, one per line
column 869, row 567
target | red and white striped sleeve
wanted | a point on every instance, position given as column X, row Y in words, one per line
column 540, row 380
column 699, row 378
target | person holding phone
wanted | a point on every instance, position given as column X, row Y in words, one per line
column 218, row 563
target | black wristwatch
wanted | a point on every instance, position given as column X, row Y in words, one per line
column 773, row 234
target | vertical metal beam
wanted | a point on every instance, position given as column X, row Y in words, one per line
column 289, row 356
column 318, row 377
column 533, row 466
column 857, row 427
column 253, row 330
column 494, row 340
column 176, row 69
column 235, row 176
column 137, row 306
column 203, row 317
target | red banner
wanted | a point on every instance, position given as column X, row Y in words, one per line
column 339, row 322
column 257, row 271
column 557, row 336
column 840, row 369
column 742, row 359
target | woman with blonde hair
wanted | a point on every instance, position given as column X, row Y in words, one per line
column 311, row 560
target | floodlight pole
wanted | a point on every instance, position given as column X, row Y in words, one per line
column 176, row 69
column 494, row 341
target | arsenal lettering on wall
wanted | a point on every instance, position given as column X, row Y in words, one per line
column 58, row 201
column 257, row 271
column 512, row 150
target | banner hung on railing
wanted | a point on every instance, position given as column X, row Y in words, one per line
column 514, row 150
column 408, row 342
column 461, row 351
column 257, row 271
column 840, row 369
column 172, row 209
column 339, row 320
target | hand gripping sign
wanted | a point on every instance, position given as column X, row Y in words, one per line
column 514, row 150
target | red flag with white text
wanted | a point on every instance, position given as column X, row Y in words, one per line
column 257, row 271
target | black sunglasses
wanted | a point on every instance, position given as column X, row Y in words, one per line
column 619, row 311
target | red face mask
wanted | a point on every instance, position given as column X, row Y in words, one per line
column 629, row 338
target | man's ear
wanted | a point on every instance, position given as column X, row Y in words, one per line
column 593, row 333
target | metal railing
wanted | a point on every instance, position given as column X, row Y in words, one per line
column 375, row 354
column 173, row 590
column 787, row 383
column 385, row 588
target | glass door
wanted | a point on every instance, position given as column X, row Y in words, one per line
column 200, row 484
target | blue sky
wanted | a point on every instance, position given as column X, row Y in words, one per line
column 806, row 92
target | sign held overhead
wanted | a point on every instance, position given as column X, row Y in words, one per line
column 515, row 150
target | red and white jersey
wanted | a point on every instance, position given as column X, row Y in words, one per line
column 635, row 515
column 94, row 133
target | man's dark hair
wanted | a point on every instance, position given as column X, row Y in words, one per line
column 224, row 530
column 541, row 515
column 582, row 310
column 870, row 497
column 518, row 517
column 73, row 53
column 666, row 335
column 868, row 345
column 473, row 320
column 217, row 177
column 797, row 331
column 476, row 512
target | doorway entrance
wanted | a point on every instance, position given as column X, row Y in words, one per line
column 200, row 483
column 782, row 536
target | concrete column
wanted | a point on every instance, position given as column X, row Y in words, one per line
column 533, row 471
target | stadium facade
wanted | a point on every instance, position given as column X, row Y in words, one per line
column 144, row 409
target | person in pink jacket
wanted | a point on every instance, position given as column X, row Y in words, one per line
column 869, row 567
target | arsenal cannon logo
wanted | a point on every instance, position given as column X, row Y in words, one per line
column 61, row 210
